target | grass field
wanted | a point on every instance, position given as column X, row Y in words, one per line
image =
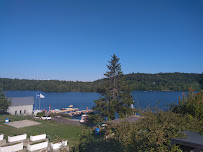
column 53, row 129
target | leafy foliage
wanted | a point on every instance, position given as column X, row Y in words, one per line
column 89, row 142
column 116, row 96
column 154, row 131
column 201, row 81
column 191, row 104
column 136, row 81
column 47, row 85
column 40, row 114
column 163, row 81
column 4, row 103
column 151, row 133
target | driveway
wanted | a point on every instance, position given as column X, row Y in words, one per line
column 67, row 121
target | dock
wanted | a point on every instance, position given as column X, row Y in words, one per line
column 79, row 112
column 67, row 110
column 72, row 111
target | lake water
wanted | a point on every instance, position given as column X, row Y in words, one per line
column 80, row 100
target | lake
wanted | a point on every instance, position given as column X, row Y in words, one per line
column 81, row 100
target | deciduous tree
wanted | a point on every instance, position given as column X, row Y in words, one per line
column 4, row 103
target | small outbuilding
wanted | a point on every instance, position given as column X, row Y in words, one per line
column 21, row 105
column 192, row 142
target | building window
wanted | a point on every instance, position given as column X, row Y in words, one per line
column 24, row 111
column 20, row 112
column 15, row 112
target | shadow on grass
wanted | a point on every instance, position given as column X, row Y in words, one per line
column 107, row 145
column 90, row 142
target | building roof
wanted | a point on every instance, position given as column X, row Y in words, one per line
column 193, row 139
column 19, row 101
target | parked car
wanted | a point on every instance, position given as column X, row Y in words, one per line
column 84, row 118
column 46, row 117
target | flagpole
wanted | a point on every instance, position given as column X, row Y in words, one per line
column 39, row 103
column 40, row 96
column 35, row 101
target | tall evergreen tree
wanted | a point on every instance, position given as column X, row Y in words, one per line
column 201, row 81
column 116, row 96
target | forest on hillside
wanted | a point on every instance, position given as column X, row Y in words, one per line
column 136, row 81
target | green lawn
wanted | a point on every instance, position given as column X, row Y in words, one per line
column 53, row 129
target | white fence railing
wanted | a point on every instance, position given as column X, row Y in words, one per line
column 58, row 145
column 12, row 148
column 1, row 137
column 33, row 146
column 38, row 137
column 17, row 138
column 37, row 146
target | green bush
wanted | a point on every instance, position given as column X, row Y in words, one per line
column 190, row 104
column 151, row 133
column 40, row 114
column 89, row 142
column 154, row 131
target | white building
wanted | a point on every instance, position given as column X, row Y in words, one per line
column 21, row 105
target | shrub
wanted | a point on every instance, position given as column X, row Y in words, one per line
column 89, row 142
column 154, row 131
column 151, row 133
column 40, row 114
column 190, row 104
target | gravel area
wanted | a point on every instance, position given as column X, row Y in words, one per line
column 22, row 123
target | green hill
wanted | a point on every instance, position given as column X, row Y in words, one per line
column 136, row 81
column 163, row 81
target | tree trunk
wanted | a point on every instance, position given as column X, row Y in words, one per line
column 114, row 88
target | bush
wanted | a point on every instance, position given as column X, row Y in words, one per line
column 154, row 131
column 89, row 142
column 190, row 104
column 40, row 114
column 151, row 133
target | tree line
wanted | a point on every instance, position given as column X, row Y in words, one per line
column 135, row 81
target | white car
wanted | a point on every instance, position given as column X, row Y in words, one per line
column 46, row 118
column 84, row 118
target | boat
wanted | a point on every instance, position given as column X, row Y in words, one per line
column 71, row 106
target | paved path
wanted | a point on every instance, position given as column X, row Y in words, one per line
column 67, row 121
column 22, row 123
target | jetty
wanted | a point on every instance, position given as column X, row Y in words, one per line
column 67, row 110
column 79, row 112
column 71, row 111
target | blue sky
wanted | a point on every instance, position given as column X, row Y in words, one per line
column 74, row 39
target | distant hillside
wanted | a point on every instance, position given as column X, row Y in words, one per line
column 163, row 81
column 136, row 81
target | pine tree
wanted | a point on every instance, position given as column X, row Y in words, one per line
column 201, row 81
column 116, row 96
